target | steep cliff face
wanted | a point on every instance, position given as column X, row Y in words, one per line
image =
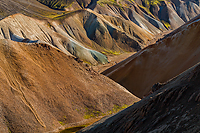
column 159, row 62
column 173, row 107
column 42, row 88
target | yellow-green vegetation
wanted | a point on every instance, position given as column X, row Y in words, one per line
column 92, row 113
column 9, row 130
column 87, row 62
column 117, row 108
column 53, row 15
column 106, row 52
column 61, row 123
column 57, row 4
column 73, row 129
column 167, row 25
column 95, row 113
column 152, row 2
column 148, row 4
column 131, row 0
column 66, row 14
column 110, row 2
column 146, row 9
column 54, row 4
column 69, row 5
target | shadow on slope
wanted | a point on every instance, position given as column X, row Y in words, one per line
column 174, row 107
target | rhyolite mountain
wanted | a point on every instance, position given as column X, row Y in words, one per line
column 46, row 46
column 81, row 32
column 86, row 28
column 161, row 61
column 171, row 13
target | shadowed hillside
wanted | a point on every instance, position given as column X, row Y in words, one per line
column 173, row 107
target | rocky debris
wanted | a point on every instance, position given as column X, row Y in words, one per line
column 156, row 86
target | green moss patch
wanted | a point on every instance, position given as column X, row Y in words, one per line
column 61, row 123
column 166, row 24
column 106, row 52
column 56, row 4
column 95, row 113
column 110, row 2
column 73, row 129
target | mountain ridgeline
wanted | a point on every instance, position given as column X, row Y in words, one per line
column 90, row 30
column 50, row 49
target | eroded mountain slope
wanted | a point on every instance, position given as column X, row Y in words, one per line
column 171, row 14
column 105, row 32
column 173, row 107
column 81, row 33
column 42, row 87
column 145, row 13
column 159, row 62
column 18, row 27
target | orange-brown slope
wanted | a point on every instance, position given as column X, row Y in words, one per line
column 41, row 86
column 173, row 108
column 159, row 62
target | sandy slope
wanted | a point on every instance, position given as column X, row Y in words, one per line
column 40, row 86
